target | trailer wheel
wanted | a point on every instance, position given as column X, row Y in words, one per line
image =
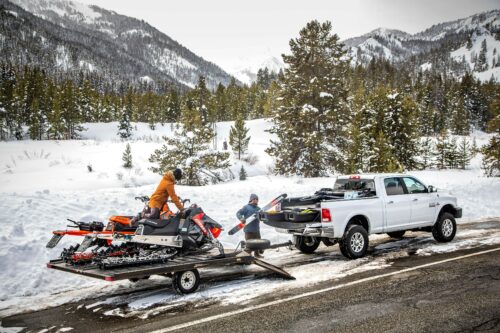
column 354, row 243
column 186, row 282
column 306, row 244
column 445, row 228
column 396, row 234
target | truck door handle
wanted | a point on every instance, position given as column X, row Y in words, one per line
column 390, row 202
column 415, row 199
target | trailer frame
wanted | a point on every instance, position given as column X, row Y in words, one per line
column 172, row 267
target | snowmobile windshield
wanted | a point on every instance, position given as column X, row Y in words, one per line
column 342, row 185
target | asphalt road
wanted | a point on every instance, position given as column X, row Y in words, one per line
column 451, row 292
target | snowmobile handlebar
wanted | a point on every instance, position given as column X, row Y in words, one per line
column 144, row 198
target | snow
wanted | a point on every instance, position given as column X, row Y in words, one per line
column 139, row 32
column 146, row 79
column 12, row 13
column 426, row 67
column 86, row 65
column 325, row 94
column 393, row 96
column 468, row 54
column 45, row 182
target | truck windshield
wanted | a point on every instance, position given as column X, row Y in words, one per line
column 353, row 185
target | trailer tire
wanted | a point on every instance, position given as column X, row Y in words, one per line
column 186, row 282
column 354, row 243
column 396, row 234
column 257, row 244
column 306, row 244
column 445, row 228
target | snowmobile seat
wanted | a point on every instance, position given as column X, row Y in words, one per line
column 161, row 227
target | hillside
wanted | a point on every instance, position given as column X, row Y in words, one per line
column 451, row 47
column 65, row 37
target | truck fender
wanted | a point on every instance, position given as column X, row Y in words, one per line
column 359, row 219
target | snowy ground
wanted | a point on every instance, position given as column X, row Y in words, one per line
column 45, row 182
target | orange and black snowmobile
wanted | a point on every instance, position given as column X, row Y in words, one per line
column 98, row 235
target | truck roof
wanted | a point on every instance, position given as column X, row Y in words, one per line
column 371, row 175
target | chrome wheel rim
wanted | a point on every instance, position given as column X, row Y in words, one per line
column 357, row 242
column 188, row 280
column 447, row 228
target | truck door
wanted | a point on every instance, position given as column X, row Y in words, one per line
column 423, row 204
column 397, row 205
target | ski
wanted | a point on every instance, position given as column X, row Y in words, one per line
column 252, row 217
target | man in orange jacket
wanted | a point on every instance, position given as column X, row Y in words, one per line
column 165, row 190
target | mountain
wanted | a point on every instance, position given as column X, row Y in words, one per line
column 452, row 47
column 68, row 37
column 247, row 73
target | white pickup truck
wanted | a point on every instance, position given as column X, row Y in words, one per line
column 360, row 205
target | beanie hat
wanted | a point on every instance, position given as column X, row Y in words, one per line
column 253, row 197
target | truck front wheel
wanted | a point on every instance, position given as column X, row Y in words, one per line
column 306, row 244
column 445, row 228
column 354, row 243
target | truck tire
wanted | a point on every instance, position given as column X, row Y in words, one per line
column 354, row 243
column 445, row 228
column 396, row 234
column 186, row 282
column 257, row 244
column 306, row 244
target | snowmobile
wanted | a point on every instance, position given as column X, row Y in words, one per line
column 99, row 236
column 158, row 240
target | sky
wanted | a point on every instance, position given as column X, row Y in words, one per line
column 234, row 34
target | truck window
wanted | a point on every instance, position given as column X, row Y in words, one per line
column 414, row 186
column 342, row 185
column 393, row 186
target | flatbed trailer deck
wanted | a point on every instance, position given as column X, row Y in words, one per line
column 173, row 268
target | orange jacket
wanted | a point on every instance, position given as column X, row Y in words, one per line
column 165, row 190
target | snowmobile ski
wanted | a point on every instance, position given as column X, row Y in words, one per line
column 253, row 217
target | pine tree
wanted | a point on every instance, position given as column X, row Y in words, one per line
column 464, row 153
column 311, row 123
column 124, row 127
column 426, row 150
column 441, row 151
column 452, row 156
column 382, row 159
column 189, row 149
column 243, row 173
column 491, row 157
column 238, row 138
column 127, row 157
column 482, row 63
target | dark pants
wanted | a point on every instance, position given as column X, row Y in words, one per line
column 253, row 235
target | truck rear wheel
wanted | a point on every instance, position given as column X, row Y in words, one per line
column 354, row 243
column 445, row 228
column 306, row 244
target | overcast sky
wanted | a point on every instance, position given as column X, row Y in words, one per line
column 231, row 32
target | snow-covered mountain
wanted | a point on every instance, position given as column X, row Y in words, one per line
column 451, row 47
column 68, row 36
column 247, row 73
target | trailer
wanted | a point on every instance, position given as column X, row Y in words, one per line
column 184, row 270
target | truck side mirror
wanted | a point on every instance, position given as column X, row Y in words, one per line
column 431, row 189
